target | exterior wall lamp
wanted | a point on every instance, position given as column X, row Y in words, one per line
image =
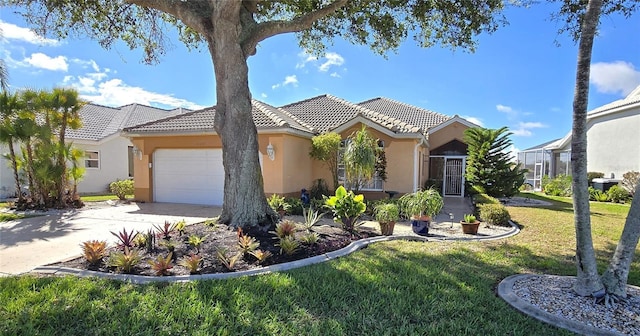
column 271, row 153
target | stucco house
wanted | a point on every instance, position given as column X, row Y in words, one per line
column 180, row 157
column 109, row 156
column 613, row 144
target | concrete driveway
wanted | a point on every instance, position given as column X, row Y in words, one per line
column 56, row 235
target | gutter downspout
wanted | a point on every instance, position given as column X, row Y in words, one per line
column 416, row 164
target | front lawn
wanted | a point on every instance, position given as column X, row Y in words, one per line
column 393, row 288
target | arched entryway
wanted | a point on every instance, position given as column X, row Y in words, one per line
column 447, row 165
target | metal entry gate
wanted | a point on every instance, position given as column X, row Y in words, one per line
column 454, row 176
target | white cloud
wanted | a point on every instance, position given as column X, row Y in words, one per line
column 263, row 95
column 504, row 108
column 335, row 74
column 42, row 61
column 288, row 80
column 524, row 128
column 331, row 60
column 617, row 77
column 305, row 58
column 115, row 92
column 13, row 32
column 473, row 120
column 86, row 64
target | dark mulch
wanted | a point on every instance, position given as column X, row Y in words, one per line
column 220, row 236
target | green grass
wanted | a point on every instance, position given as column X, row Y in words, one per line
column 5, row 217
column 391, row 288
column 99, row 198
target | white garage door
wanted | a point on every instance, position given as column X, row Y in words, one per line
column 194, row 176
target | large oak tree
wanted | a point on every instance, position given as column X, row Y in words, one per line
column 232, row 29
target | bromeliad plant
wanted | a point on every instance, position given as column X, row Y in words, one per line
column 261, row 255
column 311, row 217
column 161, row 264
column 94, row 250
column 346, row 207
column 246, row 242
column 125, row 239
column 125, row 261
column 192, row 263
column 196, row 241
column 285, row 229
column 165, row 231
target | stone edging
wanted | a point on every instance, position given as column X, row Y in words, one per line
column 354, row 246
column 505, row 291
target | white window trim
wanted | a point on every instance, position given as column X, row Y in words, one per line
column 87, row 159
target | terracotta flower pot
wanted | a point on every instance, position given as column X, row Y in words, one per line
column 470, row 228
column 387, row 228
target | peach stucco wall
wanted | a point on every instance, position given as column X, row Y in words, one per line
column 400, row 165
column 293, row 169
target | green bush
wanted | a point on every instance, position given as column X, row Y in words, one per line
column 617, row 194
column 295, row 206
column 495, row 214
column 559, row 186
column 485, row 199
column 592, row 175
column 122, row 188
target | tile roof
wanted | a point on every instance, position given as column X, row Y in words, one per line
column 314, row 115
column 99, row 122
column 413, row 115
column 265, row 116
column 326, row 112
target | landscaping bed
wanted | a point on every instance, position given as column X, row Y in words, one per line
column 219, row 246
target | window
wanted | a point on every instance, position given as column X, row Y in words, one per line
column 375, row 183
column 92, row 159
column 130, row 156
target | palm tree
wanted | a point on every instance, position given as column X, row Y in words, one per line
column 360, row 158
column 4, row 74
column 9, row 107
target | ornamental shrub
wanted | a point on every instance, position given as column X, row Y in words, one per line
column 485, row 199
column 630, row 181
column 295, row 206
column 495, row 214
column 559, row 186
column 122, row 188
column 617, row 194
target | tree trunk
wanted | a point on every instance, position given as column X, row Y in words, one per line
column 245, row 204
column 14, row 165
column 61, row 161
column 616, row 275
column 588, row 280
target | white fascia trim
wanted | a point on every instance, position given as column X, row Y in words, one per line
column 455, row 118
column 95, row 142
column 211, row 132
column 369, row 123
column 614, row 110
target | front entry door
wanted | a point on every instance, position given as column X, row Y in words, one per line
column 454, row 176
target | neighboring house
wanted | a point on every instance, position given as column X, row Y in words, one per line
column 613, row 144
column 109, row 156
column 181, row 156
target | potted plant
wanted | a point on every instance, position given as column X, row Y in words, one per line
column 421, row 206
column 346, row 207
column 387, row 214
column 278, row 204
column 470, row 224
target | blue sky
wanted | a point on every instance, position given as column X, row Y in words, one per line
column 518, row 77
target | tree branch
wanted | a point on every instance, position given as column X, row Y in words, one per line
column 195, row 14
column 267, row 29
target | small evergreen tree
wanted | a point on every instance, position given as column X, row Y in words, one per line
column 325, row 147
column 489, row 164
